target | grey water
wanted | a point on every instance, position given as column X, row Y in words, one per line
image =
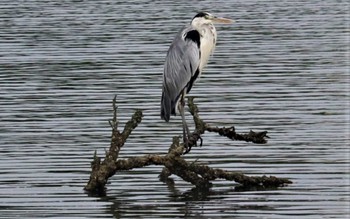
column 283, row 67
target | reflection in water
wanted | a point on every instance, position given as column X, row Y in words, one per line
column 281, row 67
column 186, row 202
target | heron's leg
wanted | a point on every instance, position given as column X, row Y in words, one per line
column 185, row 129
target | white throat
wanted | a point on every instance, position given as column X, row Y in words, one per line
column 208, row 35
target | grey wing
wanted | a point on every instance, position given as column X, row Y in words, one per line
column 181, row 63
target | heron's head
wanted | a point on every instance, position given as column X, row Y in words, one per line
column 207, row 18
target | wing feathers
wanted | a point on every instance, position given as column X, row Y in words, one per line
column 181, row 64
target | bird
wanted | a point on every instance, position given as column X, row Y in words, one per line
column 185, row 60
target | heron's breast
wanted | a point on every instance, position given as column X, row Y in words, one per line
column 208, row 41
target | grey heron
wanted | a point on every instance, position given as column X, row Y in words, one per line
column 187, row 56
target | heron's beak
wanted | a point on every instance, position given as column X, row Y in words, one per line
column 221, row 20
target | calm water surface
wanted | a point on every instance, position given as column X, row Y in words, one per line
column 282, row 67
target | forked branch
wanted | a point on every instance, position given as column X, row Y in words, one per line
column 174, row 162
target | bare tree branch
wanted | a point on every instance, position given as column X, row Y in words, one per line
column 174, row 162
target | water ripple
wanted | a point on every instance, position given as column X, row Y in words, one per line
column 282, row 67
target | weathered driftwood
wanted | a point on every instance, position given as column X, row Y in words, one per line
column 174, row 163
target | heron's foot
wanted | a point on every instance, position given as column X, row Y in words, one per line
column 187, row 145
column 195, row 137
column 187, row 149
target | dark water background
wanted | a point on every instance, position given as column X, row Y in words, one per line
column 282, row 67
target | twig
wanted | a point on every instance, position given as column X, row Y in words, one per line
column 101, row 171
column 201, row 127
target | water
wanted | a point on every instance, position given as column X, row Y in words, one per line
column 282, row 67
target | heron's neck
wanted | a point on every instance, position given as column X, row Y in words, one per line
column 201, row 27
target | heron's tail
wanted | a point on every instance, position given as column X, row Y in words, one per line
column 165, row 108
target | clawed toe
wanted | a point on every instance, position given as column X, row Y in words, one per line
column 200, row 138
column 187, row 146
